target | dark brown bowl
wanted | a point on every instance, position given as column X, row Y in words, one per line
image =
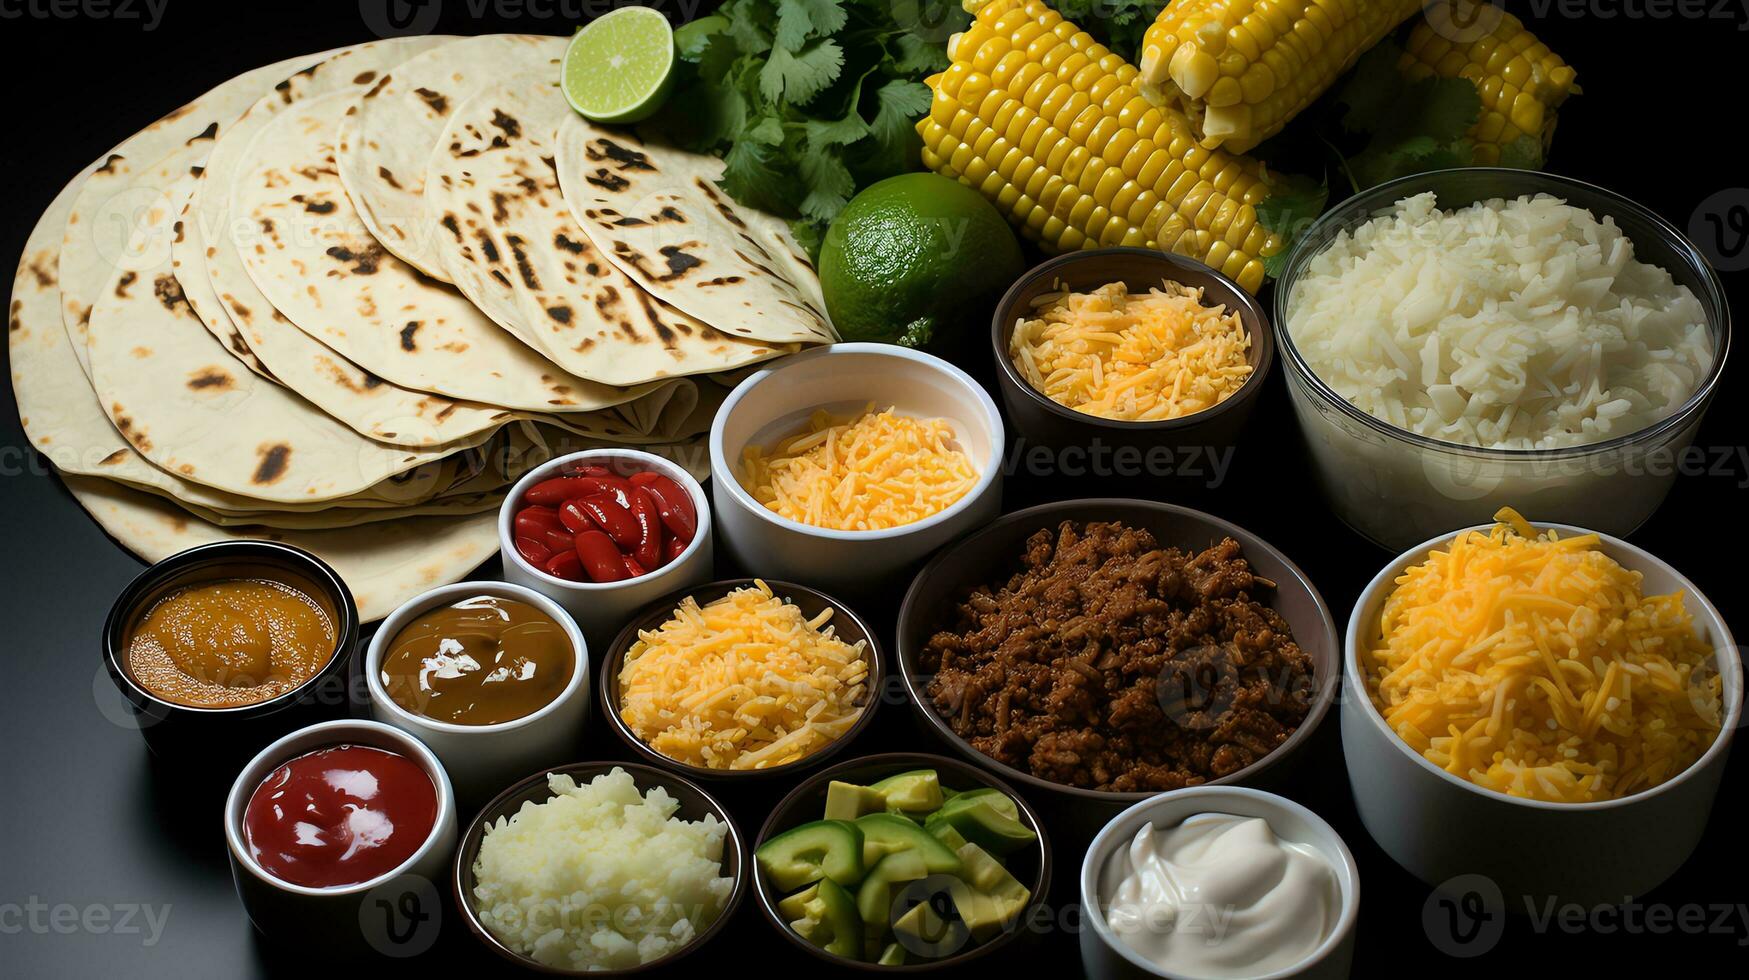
column 1041, row 421
column 694, row 804
column 807, row 802
column 224, row 738
column 850, row 628
column 990, row 555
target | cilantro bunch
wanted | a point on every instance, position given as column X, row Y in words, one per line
column 808, row 101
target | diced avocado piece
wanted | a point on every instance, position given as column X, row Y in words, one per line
column 795, row 906
column 822, row 849
column 999, row 801
column 984, row 826
column 923, row 925
column 847, row 801
column 917, row 791
column 988, row 897
column 893, row 955
column 874, row 898
column 829, row 921
column 887, row 833
column 944, row 832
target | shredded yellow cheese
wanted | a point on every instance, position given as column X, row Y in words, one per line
column 1532, row 665
column 872, row 471
column 745, row 682
column 1159, row 355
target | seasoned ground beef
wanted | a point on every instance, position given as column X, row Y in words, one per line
column 1111, row 663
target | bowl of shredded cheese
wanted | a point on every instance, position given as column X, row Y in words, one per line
column 1545, row 705
column 742, row 678
column 1129, row 347
column 845, row 466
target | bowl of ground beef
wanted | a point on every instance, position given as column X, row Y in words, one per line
column 1103, row 651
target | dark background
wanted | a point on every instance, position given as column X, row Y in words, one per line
column 86, row 820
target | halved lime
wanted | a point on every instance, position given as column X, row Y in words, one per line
column 620, row 67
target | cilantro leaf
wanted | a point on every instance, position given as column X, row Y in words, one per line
column 750, row 24
column 917, row 55
column 752, row 176
column 835, row 132
column 802, row 75
column 1291, row 207
column 828, row 182
column 799, row 20
column 690, row 40
column 900, row 104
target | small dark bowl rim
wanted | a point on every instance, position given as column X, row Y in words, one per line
column 1326, row 688
column 1262, row 337
column 346, row 631
column 767, row 902
column 607, row 684
column 645, row 777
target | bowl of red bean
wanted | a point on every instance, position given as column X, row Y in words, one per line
column 604, row 532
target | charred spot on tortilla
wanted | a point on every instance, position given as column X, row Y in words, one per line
column 721, row 281
column 524, row 267
column 500, row 212
column 374, row 89
column 435, row 100
column 113, row 458
column 109, row 164
column 41, row 273
column 121, row 284
column 503, row 280
column 668, row 213
column 663, row 332
column 196, row 170
column 365, row 78
column 314, row 206
column 622, row 157
column 488, row 247
column 267, row 226
column 388, row 178
column 167, row 290
column 272, row 463
column 506, row 123
column 448, row 221
column 565, row 242
column 680, row 262
column 364, row 262
column 608, row 181
column 176, row 234
column 561, row 314
column 407, row 333
column 211, row 130
column 210, row 377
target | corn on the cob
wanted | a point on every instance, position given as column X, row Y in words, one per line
column 1242, row 68
column 1049, row 125
column 1520, row 80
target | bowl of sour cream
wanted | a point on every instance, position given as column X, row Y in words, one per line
column 1218, row 883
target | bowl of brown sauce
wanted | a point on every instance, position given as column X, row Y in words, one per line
column 231, row 643
column 492, row 676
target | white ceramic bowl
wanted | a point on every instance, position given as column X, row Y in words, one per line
column 601, row 608
column 346, row 919
column 1103, row 954
column 481, row 758
column 1440, row 827
column 844, row 378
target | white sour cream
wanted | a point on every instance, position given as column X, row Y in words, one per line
column 1220, row 896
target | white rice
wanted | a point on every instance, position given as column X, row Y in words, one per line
column 599, row 877
column 1522, row 324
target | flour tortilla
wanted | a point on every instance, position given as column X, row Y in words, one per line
column 510, row 244
column 388, row 136
column 182, row 401
column 383, row 564
column 320, row 267
column 657, row 214
column 107, row 206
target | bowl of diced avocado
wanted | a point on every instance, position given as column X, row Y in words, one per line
column 904, row 861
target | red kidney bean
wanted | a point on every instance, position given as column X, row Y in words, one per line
column 642, row 477
column 536, row 521
column 633, row 569
column 565, row 565
column 601, row 558
column 557, row 540
column 675, row 506
column 553, row 492
column 672, row 546
column 588, row 471
column 616, row 520
column 574, row 518
column 533, row 551
column 649, row 549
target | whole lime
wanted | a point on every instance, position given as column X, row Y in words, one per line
column 911, row 259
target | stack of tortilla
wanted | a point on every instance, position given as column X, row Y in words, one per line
column 344, row 301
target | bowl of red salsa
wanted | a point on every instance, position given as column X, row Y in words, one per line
column 331, row 822
column 604, row 532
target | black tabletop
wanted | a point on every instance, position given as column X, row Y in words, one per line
column 112, row 865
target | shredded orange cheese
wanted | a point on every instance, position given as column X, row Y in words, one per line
column 869, row 472
column 745, row 682
column 1158, row 355
column 1532, row 665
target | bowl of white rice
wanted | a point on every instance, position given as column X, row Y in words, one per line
column 1459, row 340
column 600, row 867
